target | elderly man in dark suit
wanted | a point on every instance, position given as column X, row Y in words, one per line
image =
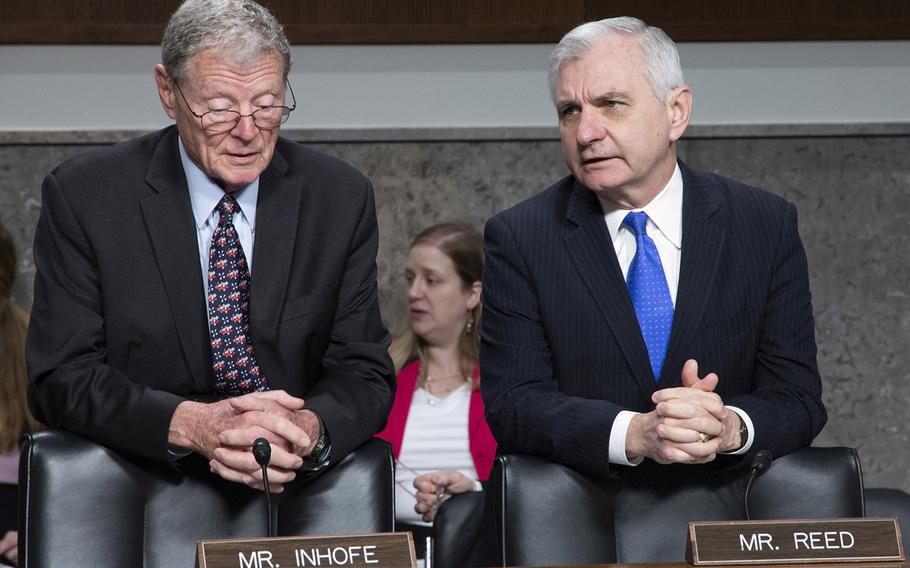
column 212, row 283
column 638, row 310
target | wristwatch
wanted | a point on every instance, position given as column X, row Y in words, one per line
column 743, row 433
column 319, row 457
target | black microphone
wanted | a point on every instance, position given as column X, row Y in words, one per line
column 761, row 461
column 262, row 451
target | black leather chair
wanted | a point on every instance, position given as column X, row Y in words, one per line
column 81, row 504
column 890, row 503
column 548, row 514
column 457, row 541
column 810, row 483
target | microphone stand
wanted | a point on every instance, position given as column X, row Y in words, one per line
column 262, row 451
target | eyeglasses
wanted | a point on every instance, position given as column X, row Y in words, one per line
column 221, row 120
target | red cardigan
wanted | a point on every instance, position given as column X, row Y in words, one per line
column 482, row 443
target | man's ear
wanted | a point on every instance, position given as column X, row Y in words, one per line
column 165, row 91
column 679, row 111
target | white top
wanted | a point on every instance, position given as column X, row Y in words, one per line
column 435, row 438
column 9, row 467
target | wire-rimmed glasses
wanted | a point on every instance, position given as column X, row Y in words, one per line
column 221, row 120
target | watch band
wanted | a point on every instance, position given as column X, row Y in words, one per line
column 743, row 433
column 319, row 457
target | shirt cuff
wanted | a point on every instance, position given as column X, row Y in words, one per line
column 478, row 486
column 617, row 451
column 749, row 426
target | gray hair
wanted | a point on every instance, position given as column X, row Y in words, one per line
column 661, row 58
column 238, row 29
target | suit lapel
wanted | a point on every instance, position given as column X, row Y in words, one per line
column 169, row 221
column 590, row 247
column 277, row 216
column 702, row 244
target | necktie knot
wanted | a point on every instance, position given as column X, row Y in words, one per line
column 226, row 209
column 637, row 222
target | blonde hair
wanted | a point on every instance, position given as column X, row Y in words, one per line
column 464, row 246
column 14, row 414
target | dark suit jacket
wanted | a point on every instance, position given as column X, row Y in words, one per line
column 118, row 335
column 562, row 353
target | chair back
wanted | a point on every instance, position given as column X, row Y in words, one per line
column 457, row 531
column 550, row 515
column 809, row 483
column 547, row 514
column 82, row 504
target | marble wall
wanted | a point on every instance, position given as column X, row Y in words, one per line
column 852, row 192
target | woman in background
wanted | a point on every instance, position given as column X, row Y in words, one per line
column 441, row 442
column 15, row 419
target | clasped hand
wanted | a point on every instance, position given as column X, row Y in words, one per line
column 224, row 432
column 671, row 432
column 434, row 488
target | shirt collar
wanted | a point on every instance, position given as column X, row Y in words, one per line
column 665, row 211
column 205, row 194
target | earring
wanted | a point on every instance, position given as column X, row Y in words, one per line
column 469, row 328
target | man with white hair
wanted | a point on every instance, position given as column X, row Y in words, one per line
column 211, row 283
column 637, row 311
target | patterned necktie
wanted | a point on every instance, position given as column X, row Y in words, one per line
column 650, row 295
column 234, row 365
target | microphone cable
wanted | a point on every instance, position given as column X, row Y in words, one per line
column 761, row 461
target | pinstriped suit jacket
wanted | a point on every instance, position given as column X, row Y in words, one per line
column 561, row 350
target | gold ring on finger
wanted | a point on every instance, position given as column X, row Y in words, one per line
column 702, row 437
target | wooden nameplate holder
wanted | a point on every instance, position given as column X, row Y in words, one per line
column 873, row 539
column 376, row 550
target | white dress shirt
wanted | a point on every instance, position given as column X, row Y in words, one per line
column 665, row 229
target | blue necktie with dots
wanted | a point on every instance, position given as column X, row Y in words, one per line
column 233, row 362
column 647, row 286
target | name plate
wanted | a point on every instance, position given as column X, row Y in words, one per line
column 377, row 550
column 792, row 541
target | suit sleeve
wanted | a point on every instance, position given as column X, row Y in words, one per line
column 785, row 402
column 70, row 384
column 355, row 393
column 525, row 409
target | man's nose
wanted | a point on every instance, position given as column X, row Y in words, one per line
column 245, row 129
column 591, row 128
